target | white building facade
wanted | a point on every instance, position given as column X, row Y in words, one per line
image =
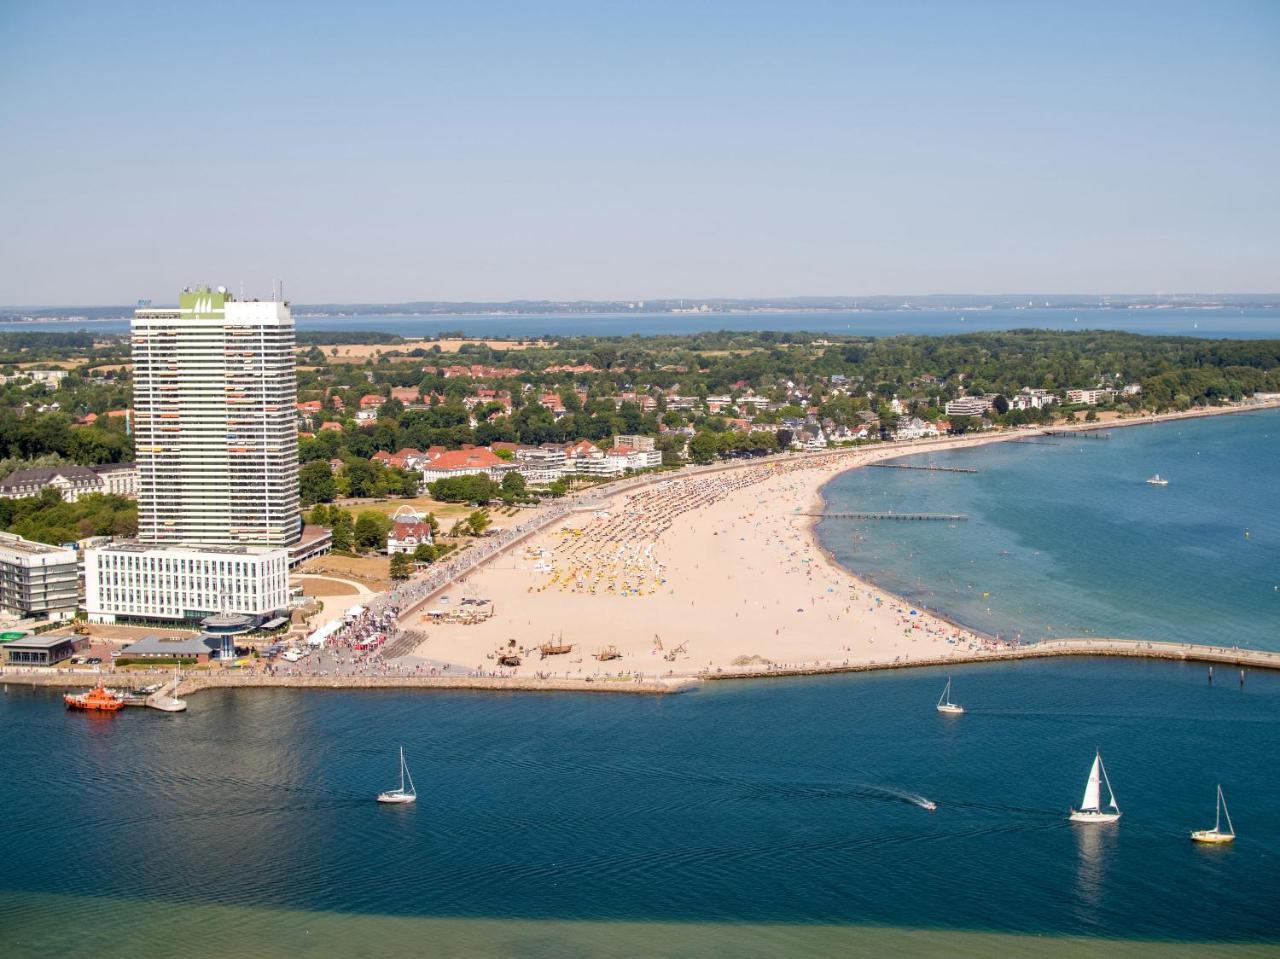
column 183, row 584
column 214, row 425
column 37, row 580
column 217, row 458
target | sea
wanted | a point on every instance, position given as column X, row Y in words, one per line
column 774, row 817
column 781, row 817
column 1065, row 538
column 1229, row 323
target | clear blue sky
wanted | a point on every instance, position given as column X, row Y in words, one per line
column 471, row 150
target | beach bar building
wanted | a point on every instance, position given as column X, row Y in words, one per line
column 47, row 650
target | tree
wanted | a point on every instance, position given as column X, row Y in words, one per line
column 424, row 553
column 704, row 448
column 371, row 530
column 478, row 522
column 513, row 485
column 784, row 438
column 401, row 566
column 343, row 530
column 1000, row 404
column 315, row 483
column 464, row 489
column 361, row 476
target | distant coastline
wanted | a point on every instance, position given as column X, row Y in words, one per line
column 1205, row 321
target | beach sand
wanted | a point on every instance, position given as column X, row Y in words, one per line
column 722, row 570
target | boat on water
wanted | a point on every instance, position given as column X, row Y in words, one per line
column 1157, row 480
column 1091, row 809
column 930, row 805
column 406, row 793
column 1216, row 836
column 98, row 699
column 945, row 705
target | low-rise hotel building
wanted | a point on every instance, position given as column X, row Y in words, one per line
column 969, row 406
column 184, row 584
column 37, row 580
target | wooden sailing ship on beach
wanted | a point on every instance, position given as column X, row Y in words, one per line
column 608, row 653
column 556, row 648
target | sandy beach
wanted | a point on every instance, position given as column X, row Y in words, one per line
column 699, row 575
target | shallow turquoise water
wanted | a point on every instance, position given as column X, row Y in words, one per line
column 786, row 804
column 1069, row 540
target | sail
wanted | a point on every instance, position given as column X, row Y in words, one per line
column 1090, row 802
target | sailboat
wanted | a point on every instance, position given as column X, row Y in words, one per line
column 1091, row 810
column 1215, row 835
column 1157, row 480
column 401, row 795
column 945, row 705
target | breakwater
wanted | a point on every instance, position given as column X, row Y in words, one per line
column 195, row 682
column 1048, row 649
column 660, row 685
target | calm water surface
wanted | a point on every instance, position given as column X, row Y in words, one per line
column 1065, row 537
column 1247, row 323
column 785, row 812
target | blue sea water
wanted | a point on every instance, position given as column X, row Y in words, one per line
column 247, row 824
column 1065, row 537
column 1235, row 323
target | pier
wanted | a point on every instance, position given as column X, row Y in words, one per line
column 1079, row 434
column 920, row 517
column 931, row 469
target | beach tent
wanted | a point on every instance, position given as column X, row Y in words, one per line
column 321, row 635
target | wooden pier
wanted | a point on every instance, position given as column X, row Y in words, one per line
column 919, row 517
column 931, row 469
column 1079, row 434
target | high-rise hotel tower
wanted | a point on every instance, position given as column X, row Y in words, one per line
column 215, row 422
column 217, row 450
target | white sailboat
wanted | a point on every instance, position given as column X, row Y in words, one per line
column 1091, row 810
column 945, row 705
column 401, row 795
column 1157, row 480
column 1216, row 835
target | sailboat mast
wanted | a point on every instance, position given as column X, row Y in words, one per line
column 402, row 769
column 1110, row 792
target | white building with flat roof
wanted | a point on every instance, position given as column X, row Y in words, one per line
column 968, row 406
column 183, row 584
column 37, row 580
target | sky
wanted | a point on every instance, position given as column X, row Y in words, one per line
column 385, row 152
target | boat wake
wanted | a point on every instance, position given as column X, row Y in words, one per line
column 902, row 795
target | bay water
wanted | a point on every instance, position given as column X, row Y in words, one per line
column 1065, row 537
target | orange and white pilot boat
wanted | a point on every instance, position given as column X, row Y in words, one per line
column 99, row 698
